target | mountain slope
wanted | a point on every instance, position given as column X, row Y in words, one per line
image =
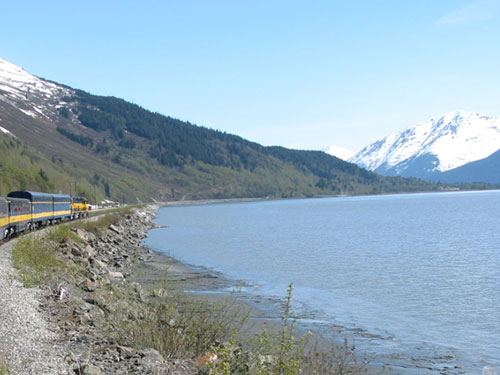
column 484, row 170
column 107, row 147
column 435, row 146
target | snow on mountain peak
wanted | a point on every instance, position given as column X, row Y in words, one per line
column 340, row 152
column 28, row 93
column 451, row 140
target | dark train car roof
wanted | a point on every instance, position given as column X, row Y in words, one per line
column 31, row 195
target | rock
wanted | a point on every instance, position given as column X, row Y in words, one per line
column 100, row 265
column 89, row 285
column 89, row 251
column 90, row 237
column 68, row 240
column 75, row 251
column 151, row 359
column 96, row 300
column 81, row 233
column 82, row 262
column 91, row 370
column 127, row 352
column 116, row 275
column 114, row 229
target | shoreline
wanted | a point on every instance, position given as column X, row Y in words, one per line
column 269, row 309
column 119, row 258
column 260, row 199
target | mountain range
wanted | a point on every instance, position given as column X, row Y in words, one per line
column 66, row 140
column 455, row 147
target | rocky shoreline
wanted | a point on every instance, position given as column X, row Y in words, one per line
column 64, row 326
column 58, row 329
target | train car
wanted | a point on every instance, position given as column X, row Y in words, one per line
column 61, row 207
column 4, row 218
column 19, row 216
column 79, row 207
column 42, row 206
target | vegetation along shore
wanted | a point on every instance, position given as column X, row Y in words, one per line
column 81, row 298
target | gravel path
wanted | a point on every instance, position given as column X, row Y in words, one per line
column 27, row 344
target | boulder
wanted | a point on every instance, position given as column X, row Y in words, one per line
column 115, row 229
column 81, row 233
column 116, row 275
column 89, row 251
column 91, row 370
column 151, row 359
column 75, row 251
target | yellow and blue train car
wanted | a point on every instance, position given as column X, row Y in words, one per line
column 61, row 207
column 26, row 210
column 19, row 216
column 4, row 217
column 41, row 206
column 45, row 208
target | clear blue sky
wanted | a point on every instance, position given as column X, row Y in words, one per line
column 303, row 74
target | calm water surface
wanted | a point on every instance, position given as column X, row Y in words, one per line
column 417, row 277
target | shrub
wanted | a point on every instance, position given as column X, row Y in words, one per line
column 176, row 324
column 280, row 352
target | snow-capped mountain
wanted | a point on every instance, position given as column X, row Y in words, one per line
column 32, row 95
column 340, row 152
column 434, row 146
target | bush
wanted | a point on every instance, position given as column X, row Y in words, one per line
column 280, row 352
column 176, row 324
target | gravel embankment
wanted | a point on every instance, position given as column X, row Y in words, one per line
column 28, row 343
column 41, row 333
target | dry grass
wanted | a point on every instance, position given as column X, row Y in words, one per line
column 176, row 324
column 60, row 232
column 99, row 225
column 36, row 261
column 4, row 367
column 180, row 325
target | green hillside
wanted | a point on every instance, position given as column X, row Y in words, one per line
column 105, row 147
column 197, row 162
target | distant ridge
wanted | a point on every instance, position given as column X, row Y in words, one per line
column 432, row 147
column 68, row 140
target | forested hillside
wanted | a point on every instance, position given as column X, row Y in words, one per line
column 236, row 167
column 104, row 147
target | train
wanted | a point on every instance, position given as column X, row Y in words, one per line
column 23, row 211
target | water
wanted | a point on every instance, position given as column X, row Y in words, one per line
column 416, row 277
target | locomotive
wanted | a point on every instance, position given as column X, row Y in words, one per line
column 28, row 210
